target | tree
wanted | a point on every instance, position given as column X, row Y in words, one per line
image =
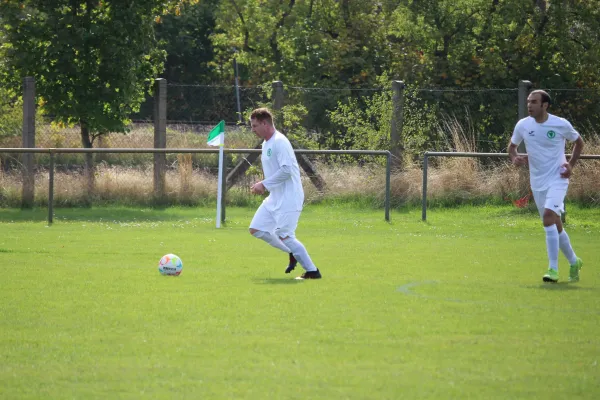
column 492, row 44
column 92, row 60
column 185, row 37
column 437, row 44
column 307, row 43
column 324, row 43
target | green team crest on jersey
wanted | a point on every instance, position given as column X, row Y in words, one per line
column 269, row 153
column 551, row 134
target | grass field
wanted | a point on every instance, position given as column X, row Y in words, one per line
column 449, row 309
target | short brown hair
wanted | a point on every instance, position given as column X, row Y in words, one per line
column 263, row 115
column 544, row 95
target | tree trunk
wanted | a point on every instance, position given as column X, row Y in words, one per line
column 89, row 163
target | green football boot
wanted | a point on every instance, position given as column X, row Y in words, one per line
column 551, row 276
column 574, row 270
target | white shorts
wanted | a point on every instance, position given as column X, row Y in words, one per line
column 281, row 224
column 553, row 198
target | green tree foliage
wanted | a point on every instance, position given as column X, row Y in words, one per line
column 483, row 43
column 183, row 32
column 458, row 45
column 325, row 44
column 311, row 43
column 448, row 45
column 11, row 114
column 185, row 35
column 92, row 60
column 368, row 126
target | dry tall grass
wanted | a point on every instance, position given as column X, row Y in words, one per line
column 450, row 180
column 139, row 136
column 114, row 185
column 473, row 180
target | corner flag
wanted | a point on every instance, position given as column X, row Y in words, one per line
column 216, row 137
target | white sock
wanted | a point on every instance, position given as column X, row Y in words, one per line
column 565, row 246
column 552, row 245
column 273, row 240
column 299, row 251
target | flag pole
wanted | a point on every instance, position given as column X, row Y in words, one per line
column 216, row 137
column 220, row 185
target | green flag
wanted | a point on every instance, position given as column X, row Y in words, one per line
column 216, row 137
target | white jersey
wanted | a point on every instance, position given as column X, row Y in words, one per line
column 545, row 145
column 288, row 195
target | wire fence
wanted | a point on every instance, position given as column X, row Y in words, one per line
column 330, row 117
column 588, row 179
column 451, row 119
column 138, row 186
column 434, row 119
column 204, row 104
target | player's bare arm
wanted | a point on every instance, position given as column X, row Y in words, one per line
column 515, row 158
column 568, row 167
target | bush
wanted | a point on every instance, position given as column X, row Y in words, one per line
column 11, row 114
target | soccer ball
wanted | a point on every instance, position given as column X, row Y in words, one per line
column 170, row 264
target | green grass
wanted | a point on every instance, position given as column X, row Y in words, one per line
column 449, row 309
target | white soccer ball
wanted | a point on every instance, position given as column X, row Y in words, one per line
column 170, row 264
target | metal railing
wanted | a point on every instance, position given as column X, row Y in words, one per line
column 53, row 151
column 428, row 154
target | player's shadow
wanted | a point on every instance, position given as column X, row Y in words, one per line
column 558, row 286
column 100, row 214
column 277, row 281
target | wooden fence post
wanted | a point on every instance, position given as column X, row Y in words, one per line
column 524, row 88
column 160, row 138
column 28, row 193
column 396, row 147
